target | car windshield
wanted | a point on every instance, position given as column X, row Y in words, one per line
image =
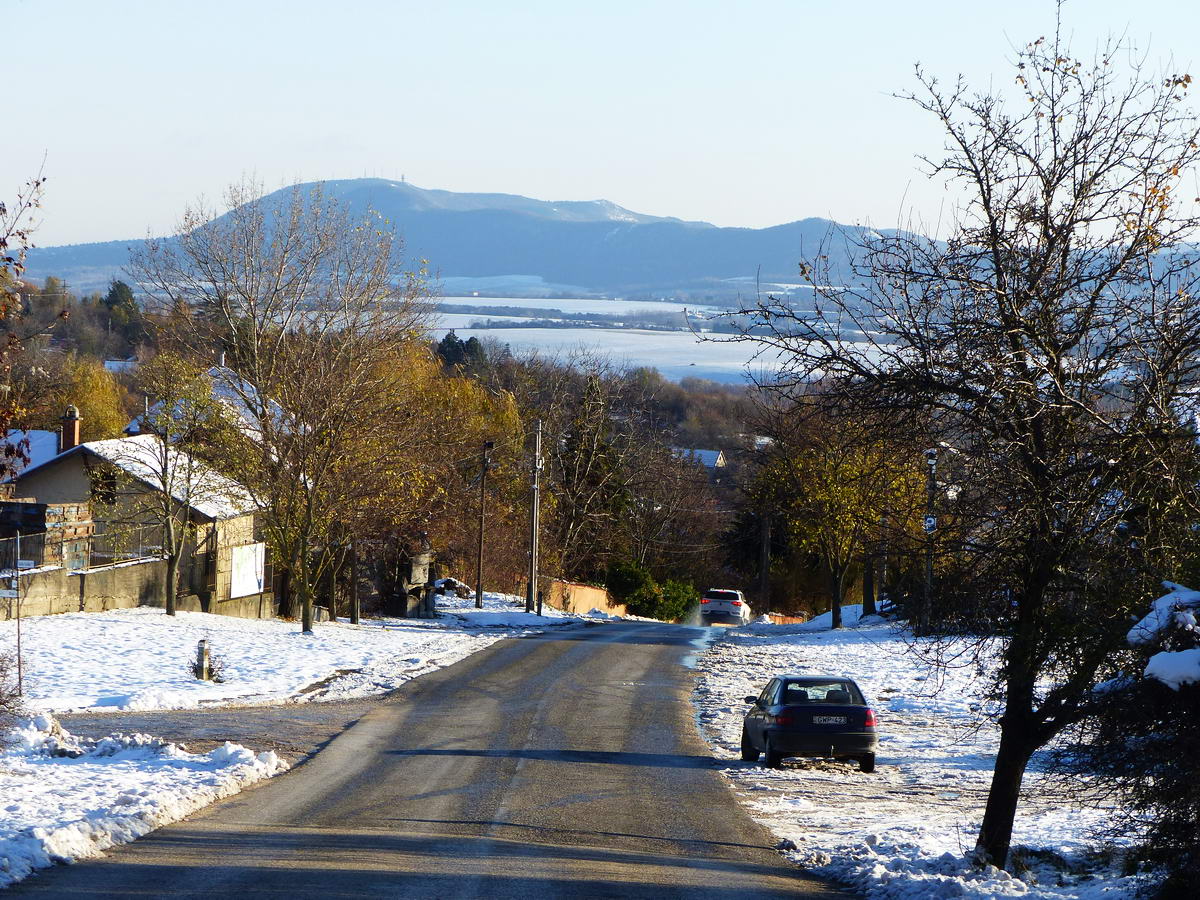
column 721, row 595
column 832, row 691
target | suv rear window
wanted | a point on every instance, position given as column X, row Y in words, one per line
column 721, row 595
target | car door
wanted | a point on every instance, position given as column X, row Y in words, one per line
column 765, row 699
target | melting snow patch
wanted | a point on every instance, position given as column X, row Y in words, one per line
column 105, row 792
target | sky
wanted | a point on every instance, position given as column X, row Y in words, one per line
column 749, row 113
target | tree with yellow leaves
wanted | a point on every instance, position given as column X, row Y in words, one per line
column 832, row 481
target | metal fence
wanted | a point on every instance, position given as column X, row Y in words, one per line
column 111, row 544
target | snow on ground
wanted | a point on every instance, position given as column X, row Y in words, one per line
column 64, row 798
column 139, row 658
column 905, row 831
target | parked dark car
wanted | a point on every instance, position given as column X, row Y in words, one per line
column 805, row 715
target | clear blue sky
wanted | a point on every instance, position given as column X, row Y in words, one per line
column 739, row 113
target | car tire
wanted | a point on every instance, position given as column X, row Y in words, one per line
column 771, row 758
column 749, row 754
column 866, row 763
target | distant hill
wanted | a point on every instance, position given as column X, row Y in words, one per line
column 511, row 245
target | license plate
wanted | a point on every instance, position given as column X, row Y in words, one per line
column 829, row 720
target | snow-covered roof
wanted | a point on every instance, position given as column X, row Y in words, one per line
column 231, row 391
column 710, row 459
column 43, row 446
column 118, row 366
column 188, row 479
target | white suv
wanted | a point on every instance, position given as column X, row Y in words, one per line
column 723, row 605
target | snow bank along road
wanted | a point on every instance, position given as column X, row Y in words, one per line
column 907, row 831
column 561, row 765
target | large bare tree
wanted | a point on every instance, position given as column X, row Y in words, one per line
column 1052, row 337
column 313, row 311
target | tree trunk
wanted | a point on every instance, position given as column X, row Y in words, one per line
column 172, row 586
column 174, row 551
column 287, row 598
column 835, row 586
column 868, row 584
column 995, row 835
column 306, row 605
column 331, row 585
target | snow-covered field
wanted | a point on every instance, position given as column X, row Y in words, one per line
column 905, row 831
column 64, row 798
column 139, row 658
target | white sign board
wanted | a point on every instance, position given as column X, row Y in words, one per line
column 247, row 570
column 8, row 594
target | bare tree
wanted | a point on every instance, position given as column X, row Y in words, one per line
column 1052, row 337
column 312, row 310
column 181, row 417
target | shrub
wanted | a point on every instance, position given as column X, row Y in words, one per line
column 678, row 598
column 627, row 579
column 10, row 701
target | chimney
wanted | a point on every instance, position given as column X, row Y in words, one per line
column 68, row 436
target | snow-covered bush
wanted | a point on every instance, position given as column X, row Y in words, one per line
column 1146, row 739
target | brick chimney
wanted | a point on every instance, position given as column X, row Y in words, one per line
column 68, row 435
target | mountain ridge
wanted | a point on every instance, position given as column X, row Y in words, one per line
column 574, row 246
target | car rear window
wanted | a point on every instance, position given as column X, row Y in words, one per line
column 821, row 692
column 721, row 595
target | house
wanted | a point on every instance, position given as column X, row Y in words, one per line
column 235, row 395
column 713, row 460
column 119, row 482
column 36, row 445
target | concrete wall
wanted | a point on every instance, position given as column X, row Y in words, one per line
column 582, row 598
column 781, row 619
column 229, row 533
column 124, row 586
column 114, row 587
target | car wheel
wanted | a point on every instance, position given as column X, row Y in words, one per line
column 748, row 751
column 771, row 758
column 866, row 763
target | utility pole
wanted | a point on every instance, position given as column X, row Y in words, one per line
column 484, row 463
column 931, row 457
column 531, row 589
column 355, row 606
column 16, row 583
column 764, row 565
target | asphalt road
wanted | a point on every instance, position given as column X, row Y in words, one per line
column 562, row 766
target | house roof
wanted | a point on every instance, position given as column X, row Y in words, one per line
column 231, row 391
column 43, row 446
column 710, row 459
column 188, row 479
